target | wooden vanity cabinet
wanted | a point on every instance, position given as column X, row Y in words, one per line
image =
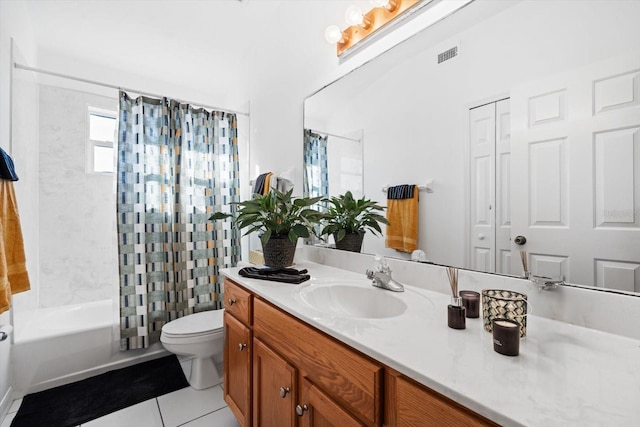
column 282, row 372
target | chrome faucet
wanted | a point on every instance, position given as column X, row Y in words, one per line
column 545, row 283
column 381, row 277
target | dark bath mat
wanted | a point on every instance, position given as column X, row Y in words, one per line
column 82, row 401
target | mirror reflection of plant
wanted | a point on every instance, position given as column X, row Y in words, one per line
column 276, row 214
column 347, row 215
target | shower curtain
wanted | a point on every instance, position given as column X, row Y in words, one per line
column 176, row 166
column 316, row 172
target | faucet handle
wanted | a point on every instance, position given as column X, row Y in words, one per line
column 380, row 264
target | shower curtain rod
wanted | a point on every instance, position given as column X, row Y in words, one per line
column 97, row 83
column 334, row 135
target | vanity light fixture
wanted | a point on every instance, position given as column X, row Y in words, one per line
column 362, row 25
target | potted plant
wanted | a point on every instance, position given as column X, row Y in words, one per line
column 348, row 219
column 281, row 219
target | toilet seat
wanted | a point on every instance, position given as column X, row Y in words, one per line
column 195, row 325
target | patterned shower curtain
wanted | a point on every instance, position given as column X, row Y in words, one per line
column 316, row 171
column 176, row 166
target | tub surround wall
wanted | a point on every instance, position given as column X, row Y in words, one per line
column 603, row 311
column 78, row 246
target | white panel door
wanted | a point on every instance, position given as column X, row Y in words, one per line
column 503, row 188
column 575, row 158
column 482, row 146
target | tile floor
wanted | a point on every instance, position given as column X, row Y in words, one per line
column 187, row 407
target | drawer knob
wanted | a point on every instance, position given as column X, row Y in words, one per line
column 241, row 346
column 300, row 410
column 231, row 301
column 284, row 391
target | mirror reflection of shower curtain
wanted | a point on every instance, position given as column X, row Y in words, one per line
column 176, row 166
column 316, row 171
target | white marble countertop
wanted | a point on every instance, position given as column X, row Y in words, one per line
column 564, row 374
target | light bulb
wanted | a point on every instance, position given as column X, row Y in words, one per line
column 333, row 34
column 353, row 15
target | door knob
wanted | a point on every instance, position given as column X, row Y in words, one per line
column 301, row 409
column 284, row 391
column 520, row 240
column 241, row 346
column 480, row 236
column 231, row 301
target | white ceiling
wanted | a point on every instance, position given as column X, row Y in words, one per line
column 231, row 42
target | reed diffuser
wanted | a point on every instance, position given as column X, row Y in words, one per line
column 456, row 312
column 525, row 266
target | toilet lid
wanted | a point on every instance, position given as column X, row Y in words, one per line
column 197, row 323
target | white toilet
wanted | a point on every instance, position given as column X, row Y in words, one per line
column 201, row 336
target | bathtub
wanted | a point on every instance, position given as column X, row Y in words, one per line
column 60, row 345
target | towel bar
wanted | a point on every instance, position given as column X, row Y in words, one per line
column 426, row 187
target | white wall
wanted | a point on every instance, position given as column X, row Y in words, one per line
column 414, row 114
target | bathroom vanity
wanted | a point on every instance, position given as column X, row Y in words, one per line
column 278, row 367
column 337, row 351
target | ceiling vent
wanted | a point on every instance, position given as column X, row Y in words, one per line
column 448, row 54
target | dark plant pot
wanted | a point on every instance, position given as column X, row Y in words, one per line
column 279, row 252
column 350, row 242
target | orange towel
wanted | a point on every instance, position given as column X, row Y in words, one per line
column 267, row 182
column 402, row 231
column 13, row 270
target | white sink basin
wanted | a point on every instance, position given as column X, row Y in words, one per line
column 354, row 301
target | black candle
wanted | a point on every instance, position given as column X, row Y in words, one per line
column 456, row 314
column 506, row 337
column 471, row 302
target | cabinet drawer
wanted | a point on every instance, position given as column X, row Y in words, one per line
column 237, row 301
column 353, row 380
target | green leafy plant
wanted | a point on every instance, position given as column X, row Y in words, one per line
column 347, row 215
column 276, row 214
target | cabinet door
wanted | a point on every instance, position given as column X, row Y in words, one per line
column 316, row 409
column 237, row 369
column 412, row 405
column 274, row 388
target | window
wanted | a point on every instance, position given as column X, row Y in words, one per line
column 100, row 143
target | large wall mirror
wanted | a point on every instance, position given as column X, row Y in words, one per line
column 532, row 129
